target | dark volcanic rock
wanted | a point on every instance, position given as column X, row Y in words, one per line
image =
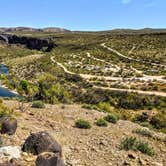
column 29, row 42
column 49, row 159
column 41, row 142
column 8, row 125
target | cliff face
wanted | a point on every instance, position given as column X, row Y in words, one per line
column 29, row 42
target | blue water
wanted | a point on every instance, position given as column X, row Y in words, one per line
column 4, row 69
column 6, row 93
column 3, row 91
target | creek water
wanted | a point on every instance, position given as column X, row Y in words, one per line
column 4, row 92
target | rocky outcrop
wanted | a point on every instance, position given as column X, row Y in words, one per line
column 41, row 142
column 29, row 42
column 49, row 159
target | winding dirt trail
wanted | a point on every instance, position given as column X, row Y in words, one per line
column 129, row 58
column 87, row 76
column 145, row 77
column 163, row 94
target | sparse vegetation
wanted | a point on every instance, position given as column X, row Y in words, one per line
column 82, row 78
column 38, row 104
column 131, row 143
column 143, row 132
column 4, row 111
column 159, row 120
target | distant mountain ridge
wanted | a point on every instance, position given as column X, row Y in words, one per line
column 144, row 30
column 57, row 30
column 29, row 29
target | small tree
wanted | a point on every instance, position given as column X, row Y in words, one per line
column 27, row 91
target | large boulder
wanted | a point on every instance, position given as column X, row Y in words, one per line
column 41, row 142
column 8, row 125
column 49, row 159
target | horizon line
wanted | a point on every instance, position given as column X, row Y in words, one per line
column 93, row 30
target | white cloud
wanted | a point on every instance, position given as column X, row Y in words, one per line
column 126, row 1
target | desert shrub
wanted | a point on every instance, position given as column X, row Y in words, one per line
column 105, row 107
column 122, row 99
column 141, row 118
column 111, row 118
column 163, row 130
column 53, row 93
column 73, row 77
column 144, row 148
column 159, row 120
column 24, row 85
column 1, row 100
column 126, row 115
column 4, row 111
column 131, row 143
column 128, row 143
column 82, row 124
column 133, row 101
column 38, row 104
column 143, row 132
column 89, row 107
column 101, row 122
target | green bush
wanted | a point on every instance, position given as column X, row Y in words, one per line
column 89, row 107
column 101, row 122
column 159, row 120
column 125, row 114
column 104, row 107
column 144, row 148
column 128, row 143
column 82, row 124
column 4, row 111
column 143, row 132
column 131, row 143
column 53, row 93
column 146, row 124
column 38, row 104
column 111, row 118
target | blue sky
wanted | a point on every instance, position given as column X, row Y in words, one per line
column 84, row 14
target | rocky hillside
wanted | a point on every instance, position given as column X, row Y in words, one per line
column 98, row 146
